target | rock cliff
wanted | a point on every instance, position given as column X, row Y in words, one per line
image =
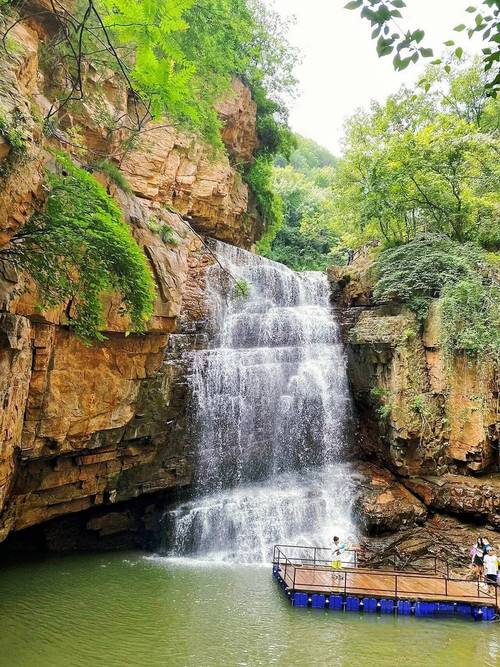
column 85, row 427
column 430, row 419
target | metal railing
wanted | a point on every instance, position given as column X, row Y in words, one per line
column 315, row 554
column 290, row 564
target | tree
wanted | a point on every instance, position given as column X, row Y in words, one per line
column 422, row 163
column 408, row 47
column 176, row 59
column 304, row 241
column 78, row 248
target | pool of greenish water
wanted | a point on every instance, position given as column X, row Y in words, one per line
column 127, row 610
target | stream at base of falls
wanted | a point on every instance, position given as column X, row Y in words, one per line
column 127, row 610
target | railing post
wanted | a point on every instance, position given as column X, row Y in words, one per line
column 314, row 556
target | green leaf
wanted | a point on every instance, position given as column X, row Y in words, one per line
column 398, row 3
column 471, row 9
column 459, row 52
column 438, row 61
column 426, row 53
column 354, row 4
column 404, row 64
column 449, row 42
column 459, row 28
column 395, row 13
column 418, row 36
column 447, row 69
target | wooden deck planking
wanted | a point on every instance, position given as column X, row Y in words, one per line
column 368, row 583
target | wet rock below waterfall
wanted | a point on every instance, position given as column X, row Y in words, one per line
column 382, row 504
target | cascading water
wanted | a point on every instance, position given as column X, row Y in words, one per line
column 270, row 409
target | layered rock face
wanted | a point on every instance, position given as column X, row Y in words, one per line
column 431, row 420
column 83, row 427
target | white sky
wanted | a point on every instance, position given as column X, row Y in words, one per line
column 341, row 70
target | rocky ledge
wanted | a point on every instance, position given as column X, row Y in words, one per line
column 433, row 422
column 88, row 427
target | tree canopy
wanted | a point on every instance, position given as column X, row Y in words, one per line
column 304, row 240
column 422, row 162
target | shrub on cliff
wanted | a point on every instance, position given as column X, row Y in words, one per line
column 417, row 272
column 78, row 248
column 471, row 317
column 434, row 266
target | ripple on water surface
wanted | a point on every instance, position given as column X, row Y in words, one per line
column 129, row 611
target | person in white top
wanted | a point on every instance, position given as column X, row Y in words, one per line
column 491, row 567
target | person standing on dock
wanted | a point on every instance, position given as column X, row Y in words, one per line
column 338, row 549
column 478, row 552
column 491, row 567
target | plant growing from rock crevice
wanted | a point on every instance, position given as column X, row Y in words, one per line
column 78, row 248
column 12, row 130
column 112, row 171
column 164, row 231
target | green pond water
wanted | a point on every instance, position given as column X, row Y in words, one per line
column 130, row 610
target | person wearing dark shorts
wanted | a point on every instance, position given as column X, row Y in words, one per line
column 478, row 557
column 490, row 562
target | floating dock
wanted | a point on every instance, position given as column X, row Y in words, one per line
column 309, row 581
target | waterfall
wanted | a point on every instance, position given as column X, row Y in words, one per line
column 270, row 415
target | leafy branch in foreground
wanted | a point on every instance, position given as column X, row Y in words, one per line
column 79, row 248
column 408, row 47
column 176, row 59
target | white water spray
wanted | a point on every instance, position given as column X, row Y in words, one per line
column 270, row 412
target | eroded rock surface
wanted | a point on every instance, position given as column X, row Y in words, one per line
column 88, row 427
column 382, row 504
column 432, row 420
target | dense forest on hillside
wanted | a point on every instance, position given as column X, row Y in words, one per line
column 419, row 183
column 304, row 185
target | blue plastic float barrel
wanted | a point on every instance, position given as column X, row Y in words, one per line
column 386, row 606
column 404, row 607
column 426, row 608
column 464, row 609
column 336, row 602
column 299, row 599
column 318, row 601
column 446, row 609
column 370, row 605
column 352, row 603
